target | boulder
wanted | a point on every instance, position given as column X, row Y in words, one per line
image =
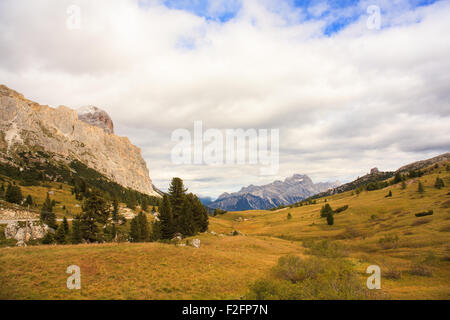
column 196, row 243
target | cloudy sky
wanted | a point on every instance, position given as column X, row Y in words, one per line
column 344, row 96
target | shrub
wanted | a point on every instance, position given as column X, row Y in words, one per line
column 330, row 219
column 389, row 271
column 325, row 210
column 419, row 269
column 289, row 216
column 340, row 209
column 389, row 241
column 325, row 248
column 297, row 279
column 423, row 214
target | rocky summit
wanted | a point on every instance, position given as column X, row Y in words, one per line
column 292, row 189
column 27, row 127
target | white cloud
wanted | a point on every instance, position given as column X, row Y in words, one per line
column 344, row 103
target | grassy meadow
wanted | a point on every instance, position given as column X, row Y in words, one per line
column 412, row 252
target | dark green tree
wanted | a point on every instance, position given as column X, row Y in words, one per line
column 115, row 212
column 166, row 218
column 29, row 201
column 144, row 204
column 177, row 194
column 403, row 185
column 325, row 210
column 135, row 235
column 330, row 218
column 144, row 232
column 47, row 215
column 96, row 211
column 65, row 225
column 76, row 231
column 13, row 194
column 289, row 216
column 60, row 235
column 420, row 188
column 439, row 184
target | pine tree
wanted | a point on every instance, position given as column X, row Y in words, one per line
column 156, row 231
column 115, row 212
column 420, row 188
column 95, row 211
column 13, row 194
column 144, row 204
column 289, row 216
column 186, row 220
column 143, row 227
column 60, row 235
column 29, row 201
column 166, row 218
column 403, row 185
column 47, row 215
column 76, row 231
column 135, row 235
column 439, row 183
column 200, row 214
column 177, row 194
column 65, row 225
column 330, row 218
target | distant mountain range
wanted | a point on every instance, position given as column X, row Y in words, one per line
column 292, row 189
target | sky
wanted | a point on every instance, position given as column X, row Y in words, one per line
column 345, row 96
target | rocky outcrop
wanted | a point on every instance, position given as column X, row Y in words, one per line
column 23, row 231
column 25, row 125
column 291, row 190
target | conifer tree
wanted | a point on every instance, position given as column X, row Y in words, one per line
column 60, row 235
column 135, row 235
column 403, row 185
column 144, row 204
column 115, row 212
column 439, row 183
column 13, row 194
column 65, row 225
column 47, row 215
column 76, row 231
column 420, row 188
column 166, row 218
column 143, row 227
column 95, row 211
column 177, row 194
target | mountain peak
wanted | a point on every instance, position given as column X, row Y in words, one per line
column 96, row 117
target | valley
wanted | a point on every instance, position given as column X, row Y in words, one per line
column 241, row 248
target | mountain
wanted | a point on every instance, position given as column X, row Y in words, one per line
column 291, row 190
column 38, row 136
column 375, row 175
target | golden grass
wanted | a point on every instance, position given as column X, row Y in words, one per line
column 225, row 266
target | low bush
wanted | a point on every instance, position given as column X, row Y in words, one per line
column 423, row 214
column 389, row 241
column 419, row 269
column 314, row 278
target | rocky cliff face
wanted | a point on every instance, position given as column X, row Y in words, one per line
column 291, row 190
column 27, row 126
